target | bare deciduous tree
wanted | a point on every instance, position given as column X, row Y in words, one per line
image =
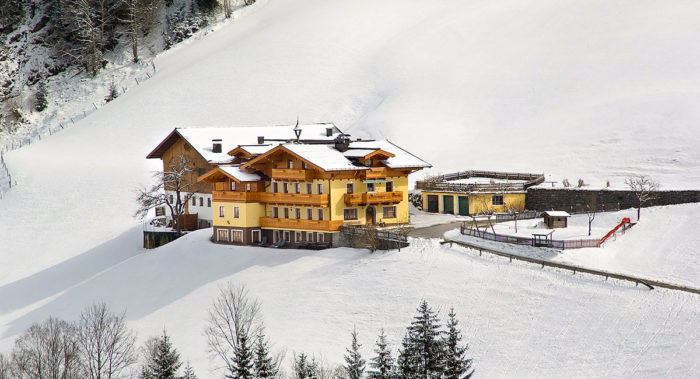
column 591, row 208
column 644, row 189
column 175, row 179
column 48, row 350
column 234, row 313
column 106, row 343
column 139, row 16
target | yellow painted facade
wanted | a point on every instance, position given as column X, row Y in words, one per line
column 248, row 214
column 337, row 201
column 479, row 202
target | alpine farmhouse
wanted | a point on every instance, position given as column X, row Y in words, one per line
column 292, row 185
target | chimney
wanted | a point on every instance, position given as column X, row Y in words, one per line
column 261, row 140
column 329, row 132
column 342, row 143
column 216, row 145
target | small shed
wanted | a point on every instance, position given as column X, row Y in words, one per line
column 556, row 219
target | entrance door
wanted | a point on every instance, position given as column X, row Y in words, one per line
column 463, row 204
column 433, row 203
column 370, row 214
column 448, row 205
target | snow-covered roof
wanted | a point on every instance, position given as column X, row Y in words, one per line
column 257, row 149
column 358, row 152
column 557, row 213
column 401, row 158
column 327, row 157
column 240, row 175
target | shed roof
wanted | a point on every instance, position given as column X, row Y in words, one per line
column 557, row 213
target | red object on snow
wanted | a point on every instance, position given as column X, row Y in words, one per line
column 625, row 220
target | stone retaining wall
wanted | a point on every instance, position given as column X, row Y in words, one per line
column 574, row 199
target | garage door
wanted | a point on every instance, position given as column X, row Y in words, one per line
column 448, row 204
column 432, row 203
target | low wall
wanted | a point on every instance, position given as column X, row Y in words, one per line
column 574, row 199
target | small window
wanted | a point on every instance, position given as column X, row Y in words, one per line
column 304, row 165
column 297, row 213
column 209, row 202
column 389, row 212
column 275, row 212
column 201, row 201
column 285, row 187
column 237, row 236
column 497, row 200
column 309, row 213
column 222, row 213
column 350, row 188
column 194, row 200
column 320, row 214
column 309, row 237
column 172, row 200
column 350, row 214
column 285, row 212
column 275, row 187
column 319, row 188
column 236, row 212
column 370, row 187
column 309, row 188
column 233, row 185
column 297, row 187
column 247, row 187
column 290, row 164
column 286, row 236
column 389, row 186
column 297, row 236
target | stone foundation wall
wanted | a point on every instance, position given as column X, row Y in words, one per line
column 574, row 199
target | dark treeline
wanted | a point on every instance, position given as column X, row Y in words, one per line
column 100, row 345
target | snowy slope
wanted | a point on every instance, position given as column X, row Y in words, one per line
column 593, row 89
column 520, row 321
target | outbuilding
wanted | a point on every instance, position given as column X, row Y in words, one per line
column 556, row 219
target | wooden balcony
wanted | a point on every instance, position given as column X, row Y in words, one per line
column 289, row 223
column 241, row 197
column 373, row 198
column 294, row 199
column 291, row 174
column 375, row 173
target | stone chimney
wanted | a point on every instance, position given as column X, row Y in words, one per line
column 261, row 140
column 216, row 145
column 329, row 132
column 342, row 143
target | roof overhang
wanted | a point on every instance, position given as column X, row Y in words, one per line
column 216, row 175
column 164, row 145
column 275, row 150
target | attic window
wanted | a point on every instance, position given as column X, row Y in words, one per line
column 187, row 146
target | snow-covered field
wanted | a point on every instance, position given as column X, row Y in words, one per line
column 593, row 89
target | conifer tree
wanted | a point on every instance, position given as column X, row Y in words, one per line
column 354, row 364
column 41, row 100
column 406, row 362
column 189, row 372
column 382, row 365
column 303, row 369
column 424, row 335
column 113, row 92
column 243, row 360
column 263, row 366
column 163, row 360
column 457, row 365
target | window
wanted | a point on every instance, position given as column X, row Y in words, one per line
column 255, row 236
column 275, row 188
column 389, row 186
column 309, row 237
column 209, row 202
column 297, row 187
column 171, row 199
column 370, row 187
column 233, row 185
column 285, row 187
column 290, row 164
column 194, row 201
column 221, row 211
column 350, row 188
column 236, row 236
column 297, row 236
column 497, row 200
column 285, row 212
column 297, row 213
column 286, row 235
column 201, row 201
column 275, row 212
column 304, row 165
column 222, row 235
column 309, row 188
column 389, row 212
column 319, row 188
column 309, row 213
column 247, row 187
column 320, row 214
column 350, row 214
column 236, row 212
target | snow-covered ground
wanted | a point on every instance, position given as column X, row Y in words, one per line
column 576, row 229
column 420, row 219
column 662, row 245
column 592, row 89
column 519, row 320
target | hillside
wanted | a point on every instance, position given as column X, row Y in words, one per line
column 592, row 89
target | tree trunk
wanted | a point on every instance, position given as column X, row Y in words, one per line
column 639, row 211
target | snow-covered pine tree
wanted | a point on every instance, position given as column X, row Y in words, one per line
column 354, row 364
column 424, row 335
column 41, row 100
column 243, row 360
column 406, row 362
column 263, row 366
column 113, row 92
column 163, row 360
column 189, row 372
column 456, row 364
column 303, row 369
column 382, row 364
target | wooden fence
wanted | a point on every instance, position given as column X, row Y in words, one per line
column 557, row 244
column 649, row 283
column 441, row 182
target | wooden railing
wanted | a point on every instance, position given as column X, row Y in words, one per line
column 291, row 174
column 290, row 223
column 242, row 197
column 373, row 198
column 294, row 199
column 442, row 182
column 375, row 173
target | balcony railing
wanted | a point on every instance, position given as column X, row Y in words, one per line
column 373, row 198
column 375, row 173
column 242, row 197
column 291, row 174
column 290, row 223
column 294, row 199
